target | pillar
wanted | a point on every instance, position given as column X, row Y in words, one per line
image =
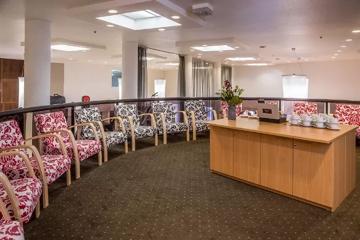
column 37, row 62
column 130, row 69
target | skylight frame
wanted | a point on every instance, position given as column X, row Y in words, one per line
column 155, row 22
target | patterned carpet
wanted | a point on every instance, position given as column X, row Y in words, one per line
column 168, row 192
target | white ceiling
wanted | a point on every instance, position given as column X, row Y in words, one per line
column 278, row 24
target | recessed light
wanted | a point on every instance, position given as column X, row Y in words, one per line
column 336, row 54
column 175, row 17
column 348, row 40
column 161, row 29
column 70, row 59
column 333, row 57
column 257, row 64
column 204, row 45
column 112, row 11
column 356, row 31
column 239, row 59
column 172, row 64
column 214, row 48
column 68, row 48
column 110, row 25
column 339, row 51
column 236, row 47
column 343, row 46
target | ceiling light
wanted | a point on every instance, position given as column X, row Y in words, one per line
column 237, row 47
column 68, row 48
column 175, row 17
column 333, row 57
column 110, row 25
column 172, row 64
column 139, row 20
column 343, row 46
column 336, row 54
column 348, row 40
column 214, row 48
column 204, row 45
column 112, row 11
column 339, row 51
column 257, row 64
column 161, row 29
column 239, row 59
column 356, row 31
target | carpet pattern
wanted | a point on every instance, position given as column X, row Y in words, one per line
column 168, row 192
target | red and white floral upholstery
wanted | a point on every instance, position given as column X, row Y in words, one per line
column 305, row 108
column 348, row 114
column 14, row 167
column 27, row 191
column 55, row 121
column 11, row 230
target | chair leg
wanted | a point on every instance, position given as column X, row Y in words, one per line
column 164, row 138
column 45, row 195
column 194, row 135
column 156, row 139
column 126, row 145
column 77, row 168
column 133, row 143
column 37, row 210
column 100, row 158
column 106, row 153
column 188, row 135
column 68, row 177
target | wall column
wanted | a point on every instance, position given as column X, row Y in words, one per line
column 37, row 62
column 130, row 69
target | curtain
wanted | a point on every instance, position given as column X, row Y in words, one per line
column 142, row 72
column 226, row 73
column 203, row 75
column 181, row 76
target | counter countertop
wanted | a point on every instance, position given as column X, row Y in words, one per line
column 284, row 129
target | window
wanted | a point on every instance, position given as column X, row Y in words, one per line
column 160, row 86
column 295, row 86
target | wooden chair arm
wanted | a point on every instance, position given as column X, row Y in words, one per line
column 162, row 115
column 22, row 156
column 11, row 194
column 119, row 119
column 192, row 115
column 132, row 127
column 51, row 135
column 153, row 123
column 91, row 125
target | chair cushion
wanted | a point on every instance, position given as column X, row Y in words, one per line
column 86, row 148
column 199, row 109
column 144, row 131
column 348, row 114
column 127, row 110
column 115, row 137
column 28, row 192
column 11, row 230
column 200, row 126
column 174, row 128
column 305, row 108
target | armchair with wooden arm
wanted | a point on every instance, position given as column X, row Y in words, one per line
column 165, row 124
column 119, row 126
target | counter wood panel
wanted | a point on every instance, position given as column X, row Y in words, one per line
column 247, row 156
column 317, row 166
column 222, row 152
column 276, row 163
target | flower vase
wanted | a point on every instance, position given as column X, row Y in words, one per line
column 232, row 112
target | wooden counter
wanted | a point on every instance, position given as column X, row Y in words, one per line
column 314, row 165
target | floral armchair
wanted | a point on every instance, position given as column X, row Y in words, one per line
column 10, row 229
column 348, row 114
column 109, row 138
column 197, row 113
column 131, row 120
column 78, row 150
column 165, row 120
column 47, row 167
column 305, row 108
column 22, row 195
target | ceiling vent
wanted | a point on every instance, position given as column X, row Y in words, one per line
column 202, row 9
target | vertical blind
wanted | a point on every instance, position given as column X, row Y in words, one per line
column 226, row 73
column 203, row 77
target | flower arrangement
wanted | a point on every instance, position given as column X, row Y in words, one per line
column 229, row 95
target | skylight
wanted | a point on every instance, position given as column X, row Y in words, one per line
column 140, row 20
column 214, row 48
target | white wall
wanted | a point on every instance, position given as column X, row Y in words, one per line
column 89, row 79
column 171, row 77
column 333, row 79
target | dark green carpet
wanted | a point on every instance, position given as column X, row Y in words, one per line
column 168, row 192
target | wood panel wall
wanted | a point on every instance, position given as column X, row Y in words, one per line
column 10, row 71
